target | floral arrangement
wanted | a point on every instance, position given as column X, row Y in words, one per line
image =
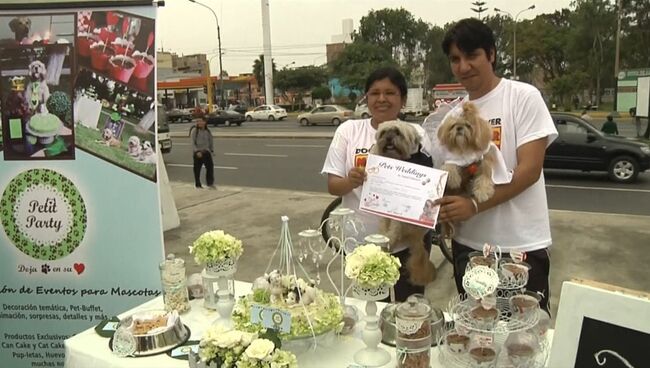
column 369, row 265
column 237, row 349
column 214, row 246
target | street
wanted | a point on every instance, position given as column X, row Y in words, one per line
column 295, row 164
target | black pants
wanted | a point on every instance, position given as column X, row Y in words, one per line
column 206, row 159
column 537, row 277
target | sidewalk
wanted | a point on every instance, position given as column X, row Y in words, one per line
column 602, row 247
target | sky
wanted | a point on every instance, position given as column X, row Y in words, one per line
column 299, row 28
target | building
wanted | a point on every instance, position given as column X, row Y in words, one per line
column 192, row 91
column 171, row 65
column 339, row 41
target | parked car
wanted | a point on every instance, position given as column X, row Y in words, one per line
column 266, row 112
column 240, row 108
column 580, row 146
column 361, row 111
column 164, row 138
column 224, row 117
column 325, row 114
column 179, row 115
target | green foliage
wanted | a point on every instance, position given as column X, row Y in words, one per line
column 321, row 93
column 300, row 79
column 352, row 96
column 59, row 104
column 258, row 70
column 261, row 296
column 357, row 61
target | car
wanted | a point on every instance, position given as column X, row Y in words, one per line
column 325, row 114
column 225, row 117
column 361, row 111
column 240, row 108
column 580, row 146
column 164, row 138
column 266, row 112
column 179, row 115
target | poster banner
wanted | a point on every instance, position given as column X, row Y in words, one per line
column 80, row 236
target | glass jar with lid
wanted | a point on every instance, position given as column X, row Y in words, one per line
column 174, row 284
column 413, row 341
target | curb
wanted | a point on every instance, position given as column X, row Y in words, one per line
column 279, row 135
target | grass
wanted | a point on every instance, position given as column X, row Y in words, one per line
column 86, row 138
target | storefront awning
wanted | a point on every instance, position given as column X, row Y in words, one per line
column 61, row 4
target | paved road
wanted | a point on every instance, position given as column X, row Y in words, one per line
column 295, row 164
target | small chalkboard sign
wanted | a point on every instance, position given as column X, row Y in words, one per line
column 600, row 325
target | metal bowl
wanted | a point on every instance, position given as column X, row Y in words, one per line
column 151, row 344
column 389, row 330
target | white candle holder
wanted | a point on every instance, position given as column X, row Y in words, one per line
column 221, row 298
column 372, row 355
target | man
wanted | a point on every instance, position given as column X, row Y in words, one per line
column 610, row 127
column 516, row 216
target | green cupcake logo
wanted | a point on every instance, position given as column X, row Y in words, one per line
column 43, row 214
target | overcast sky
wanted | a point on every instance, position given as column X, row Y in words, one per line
column 299, row 28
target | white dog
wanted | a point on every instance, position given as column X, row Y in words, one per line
column 134, row 148
column 147, row 154
column 108, row 139
column 37, row 91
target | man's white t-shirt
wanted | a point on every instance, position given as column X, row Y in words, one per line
column 349, row 148
column 518, row 115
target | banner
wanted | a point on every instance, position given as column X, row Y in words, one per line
column 81, row 234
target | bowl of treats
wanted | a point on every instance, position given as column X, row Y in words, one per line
column 149, row 333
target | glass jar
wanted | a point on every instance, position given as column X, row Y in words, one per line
column 413, row 342
column 174, row 284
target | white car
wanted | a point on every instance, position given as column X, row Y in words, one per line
column 266, row 112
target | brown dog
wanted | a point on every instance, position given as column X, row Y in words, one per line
column 399, row 140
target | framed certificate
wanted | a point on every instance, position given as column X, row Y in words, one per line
column 402, row 191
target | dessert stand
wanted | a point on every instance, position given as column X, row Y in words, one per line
column 495, row 336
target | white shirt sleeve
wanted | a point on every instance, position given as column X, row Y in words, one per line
column 533, row 120
column 335, row 159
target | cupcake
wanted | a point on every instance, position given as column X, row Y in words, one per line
column 457, row 343
column 514, row 273
column 121, row 68
column 483, row 357
column 484, row 319
column 523, row 306
column 520, row 355
column 99, row 56
column 122, row 46
column 143, row 65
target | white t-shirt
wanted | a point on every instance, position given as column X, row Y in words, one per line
column 518, row 115
column 349, row 148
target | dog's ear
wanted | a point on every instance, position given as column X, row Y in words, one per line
column 483, row 135
column 414, row 139
column 14, row 24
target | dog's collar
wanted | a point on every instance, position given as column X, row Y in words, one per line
column 472, row 168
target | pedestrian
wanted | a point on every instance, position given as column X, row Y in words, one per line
column 202, row 148
column 585, row 115
column 637, row 121
column 610, row 126
column 345, row 163
column 516, row 216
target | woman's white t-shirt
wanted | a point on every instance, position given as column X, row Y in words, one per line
column 349, row 148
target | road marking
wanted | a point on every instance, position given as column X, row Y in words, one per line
column 216, row 167
column 182, row 144
column 296, row 145
column 254, row 154
column 599, row 188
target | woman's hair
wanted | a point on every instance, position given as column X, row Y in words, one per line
column 468, row 35
column 394, row 76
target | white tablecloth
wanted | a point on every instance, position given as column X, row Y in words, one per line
column 89, row 350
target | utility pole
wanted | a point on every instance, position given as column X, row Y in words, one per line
column 479, row 8
column 268, row 59
column 618, row 50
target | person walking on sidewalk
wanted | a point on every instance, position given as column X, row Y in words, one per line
column 202, row 148
column 516, row 216
column 610, row 126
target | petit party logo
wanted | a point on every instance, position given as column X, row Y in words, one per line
column 43, row 214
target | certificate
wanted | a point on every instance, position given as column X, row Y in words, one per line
column 402, row 191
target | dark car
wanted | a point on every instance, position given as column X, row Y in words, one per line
column 225, row 117
column 240, row 108
column 580, row 146
column 178, row 115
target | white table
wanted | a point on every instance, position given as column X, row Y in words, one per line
column 89, row 350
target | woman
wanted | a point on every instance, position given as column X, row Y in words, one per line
column 202, row 147
column 346, row 158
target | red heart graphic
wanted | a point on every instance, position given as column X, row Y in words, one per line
column 79, row 267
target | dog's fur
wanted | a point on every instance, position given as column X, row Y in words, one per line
column 147, row 155
column 20, row 26
column 468, row 136
column 134, row 148
column 108, row 139
column 37, row 96
column 399, row 140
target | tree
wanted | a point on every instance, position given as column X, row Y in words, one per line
column 436, row 64
column 258, row 70
column 299, row 80
column 321, row 93
column 479, row 8
column 397, row 32
column 635, row 29
column 357, row 61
